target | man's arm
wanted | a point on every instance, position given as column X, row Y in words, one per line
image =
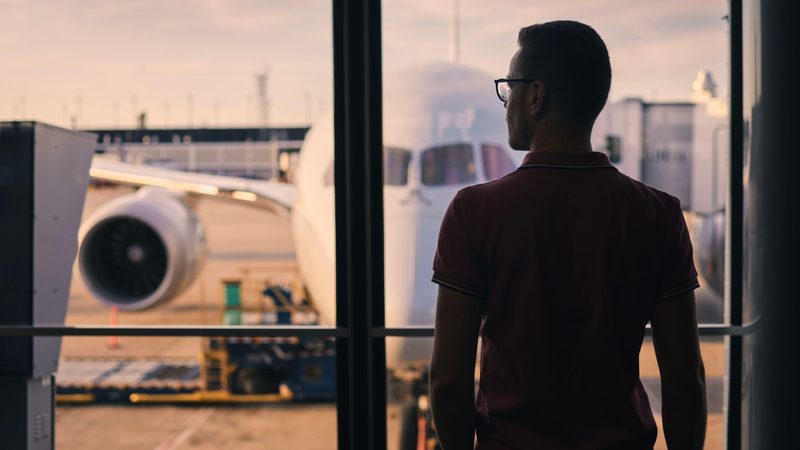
column 683, row 385
column 458, row 318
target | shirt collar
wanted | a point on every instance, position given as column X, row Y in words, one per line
column 567, row 159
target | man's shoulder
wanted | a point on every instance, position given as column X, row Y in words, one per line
column 485, row 191
column 654, row 195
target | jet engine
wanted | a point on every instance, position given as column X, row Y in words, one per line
column 141, row 249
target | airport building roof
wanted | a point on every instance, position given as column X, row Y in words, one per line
column 185, row 135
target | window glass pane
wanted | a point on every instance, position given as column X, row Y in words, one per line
column 496, row 162
column 189, row 102
column 751, row 78
column 751, row 98
column 231, row 98
column 664, row 124
column 408, row 385
column 396, row 162
column 408, row 416
column 404, row 404
column 448, row 165
column 206, row 393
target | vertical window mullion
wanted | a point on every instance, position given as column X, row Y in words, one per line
column 735, row 228
column 361, row 367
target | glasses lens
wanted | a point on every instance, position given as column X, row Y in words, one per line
column 502, row 90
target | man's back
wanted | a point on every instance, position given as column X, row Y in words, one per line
column 571, row 257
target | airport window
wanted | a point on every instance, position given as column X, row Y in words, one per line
column 496, row 162
column 667, row 140
column 227, row 89
column 257, row 297
column 446, row 165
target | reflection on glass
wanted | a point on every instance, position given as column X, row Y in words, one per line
column 496, row 162
column 448, row 165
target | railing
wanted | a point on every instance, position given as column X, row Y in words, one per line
column 280, row 331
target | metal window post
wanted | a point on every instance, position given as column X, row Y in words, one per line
column 774, row 241
column 733, row 422
column 361, row 372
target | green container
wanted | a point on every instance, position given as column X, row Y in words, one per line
column 233, row 294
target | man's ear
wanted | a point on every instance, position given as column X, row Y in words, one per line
column 537, row 98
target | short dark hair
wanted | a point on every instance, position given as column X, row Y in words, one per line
column 572, row 60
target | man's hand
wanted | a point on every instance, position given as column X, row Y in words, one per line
column 458, row 318
column 683, row 379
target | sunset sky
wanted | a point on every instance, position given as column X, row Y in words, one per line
column 82, row 57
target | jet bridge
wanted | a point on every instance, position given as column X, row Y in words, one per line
column 44, row 172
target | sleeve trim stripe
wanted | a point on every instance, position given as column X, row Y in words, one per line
column 458, row 288
column 681, row 291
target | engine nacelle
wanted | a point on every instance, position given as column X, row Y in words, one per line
column 708, row 238
column 141, row 249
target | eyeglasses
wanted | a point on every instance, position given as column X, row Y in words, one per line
column 503, row 88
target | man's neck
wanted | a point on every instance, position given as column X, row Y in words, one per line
column 565, row 141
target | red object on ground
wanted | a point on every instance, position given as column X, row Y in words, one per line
column 113, row 342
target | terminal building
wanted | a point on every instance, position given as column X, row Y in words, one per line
column 679, row 147
column 260, row 153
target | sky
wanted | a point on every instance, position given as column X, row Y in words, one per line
column 98, row 63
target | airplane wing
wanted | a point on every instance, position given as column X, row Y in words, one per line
column 274, row 196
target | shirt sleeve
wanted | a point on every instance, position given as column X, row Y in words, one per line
column 457, row 263
column 678, row 274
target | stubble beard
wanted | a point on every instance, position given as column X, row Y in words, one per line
column 519, row 139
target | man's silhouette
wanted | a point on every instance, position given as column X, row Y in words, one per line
column 559, row 266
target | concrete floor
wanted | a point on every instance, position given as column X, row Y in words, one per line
column 239, row 238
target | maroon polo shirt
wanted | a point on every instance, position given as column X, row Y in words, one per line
column 570, row 256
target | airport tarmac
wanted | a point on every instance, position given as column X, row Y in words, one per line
column 243, row 238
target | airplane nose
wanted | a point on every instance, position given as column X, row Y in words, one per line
column 410, row 243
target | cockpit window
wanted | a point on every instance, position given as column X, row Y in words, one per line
column 447, row 165
column 496, row 162
column 395, row 166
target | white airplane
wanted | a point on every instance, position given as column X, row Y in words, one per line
column 444, row 129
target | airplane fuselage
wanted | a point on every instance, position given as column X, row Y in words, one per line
column 444, row 129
